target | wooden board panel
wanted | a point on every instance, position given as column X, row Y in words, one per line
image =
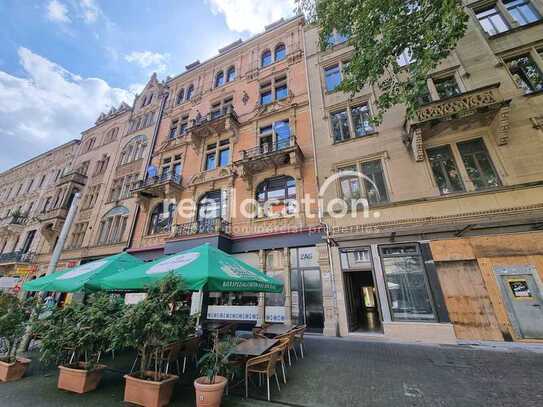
column 487, row 271
column 468, row 302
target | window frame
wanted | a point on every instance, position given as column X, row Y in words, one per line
column 264, row 187
column 266, row 53
column 215, row 150
column 347, row 108
column 362, row 187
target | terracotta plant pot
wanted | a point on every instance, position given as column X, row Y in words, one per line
column 149, row 393
column 209, row 395
column 10, row 372
column 79, row 380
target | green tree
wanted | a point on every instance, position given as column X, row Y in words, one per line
column 380, row 31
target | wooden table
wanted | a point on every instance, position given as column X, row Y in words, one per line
column 254, row 346
column 278, row 329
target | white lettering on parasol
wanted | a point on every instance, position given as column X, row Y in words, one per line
column 84, row 269
column 237, row 271
column 173, row 263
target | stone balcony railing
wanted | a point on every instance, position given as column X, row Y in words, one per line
column 159, row 187
column 72, row 177
column 207, row 226
column 215, row 122
column 14, row 220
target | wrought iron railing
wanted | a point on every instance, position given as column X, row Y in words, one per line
column 159, row 179
column 213, row 115
column 268, row 148
column 16, row 257
column 205, row 226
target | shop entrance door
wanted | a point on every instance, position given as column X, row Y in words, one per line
column 307, row 299
column 523, row 299
column 363, row 308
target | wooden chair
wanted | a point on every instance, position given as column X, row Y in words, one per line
column 283, row 347
column 265, row 364
column 190, row 347
column 299, row 338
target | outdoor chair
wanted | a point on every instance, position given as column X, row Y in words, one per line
column 190, row 348
column 283, row 347
column 265, row 364
column 299, row 338
column 289, row 336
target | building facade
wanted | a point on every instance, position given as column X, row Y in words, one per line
column 28, row 197
column 445, row 240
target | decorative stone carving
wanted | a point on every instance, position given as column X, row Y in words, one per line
column 501, row 125
column 537, row 122
column 417, row 145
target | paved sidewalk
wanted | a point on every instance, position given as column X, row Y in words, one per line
column 345, row 373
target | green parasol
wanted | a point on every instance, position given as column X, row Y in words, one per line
column 201, row 268
column 74, row 279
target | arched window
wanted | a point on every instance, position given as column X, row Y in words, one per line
column 111, row 135
column 143, row 102
column 113, row 226
column 231, row 74
column 266, row 58
column 219, row 79
column 133, row 150
column 276, row 197
column 180, row 96
column 209, row 206
column 162, row 219
column 280, row 52
column 190, row 91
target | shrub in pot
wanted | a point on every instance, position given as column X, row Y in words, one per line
column 215, row 367
column 13, row 317
column 149, row 326
column 75, row 336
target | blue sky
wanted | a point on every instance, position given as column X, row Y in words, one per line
column 62, row 62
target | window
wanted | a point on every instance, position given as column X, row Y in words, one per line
column 491, row 20
column 180, row 96
column 274, row 137
column 184, row 125
column 444, row 169
column 478, row 164
column 42, row 180
column 266, row 58
column 332, row 77
column 29, row 187
column 522, row 11
column 364, row 180
column 190, row 91
column 172, row 165
column 361, row 120
column 276, row 197
column 219, row 79
column 280, row 52
column 526, row 73
column 173, row 129
column 89, row 145
column 446, row 87
column 101, row 165
column 162, row 218
column 336, row 38
column 406, row 283
column 133, row 150
column 224, row 157
column 209, row 209
column 113, row 226
column 84, row 168
column 231, row 74
column 276, row 89
column 210, row 157
column 266, row 97
column 89, row 200
column 220, row 150
column 111, row 135
column 340, row 126
column 405, row 58
column 78, row 235
column 281, row 91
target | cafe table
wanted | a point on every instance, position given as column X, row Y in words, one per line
column 277, row 329
column 254, row 346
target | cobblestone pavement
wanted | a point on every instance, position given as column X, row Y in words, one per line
column 339, row 372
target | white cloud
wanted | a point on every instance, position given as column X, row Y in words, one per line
column 57, row 12
column 148, row 59
column 90, row 10
column 251, row 15
column 48, row 106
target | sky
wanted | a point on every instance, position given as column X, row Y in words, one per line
column 63, row 62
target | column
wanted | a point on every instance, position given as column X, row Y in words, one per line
column 287, row 289
column 328, row 294
column 261, row 317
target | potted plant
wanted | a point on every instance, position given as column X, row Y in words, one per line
column 75, row 337
column 13, row 316
column 159, row 320
column 215, row 367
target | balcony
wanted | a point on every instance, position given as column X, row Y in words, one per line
column 270, row 155
column 204, row 227
column 54, row 214
column 72, row 177
column 16, row 257
column 13, row 224
column 215, row 122
column 483, row 107
column 163, row 186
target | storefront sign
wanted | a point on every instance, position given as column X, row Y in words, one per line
column 244, row 313
column 7, row 283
